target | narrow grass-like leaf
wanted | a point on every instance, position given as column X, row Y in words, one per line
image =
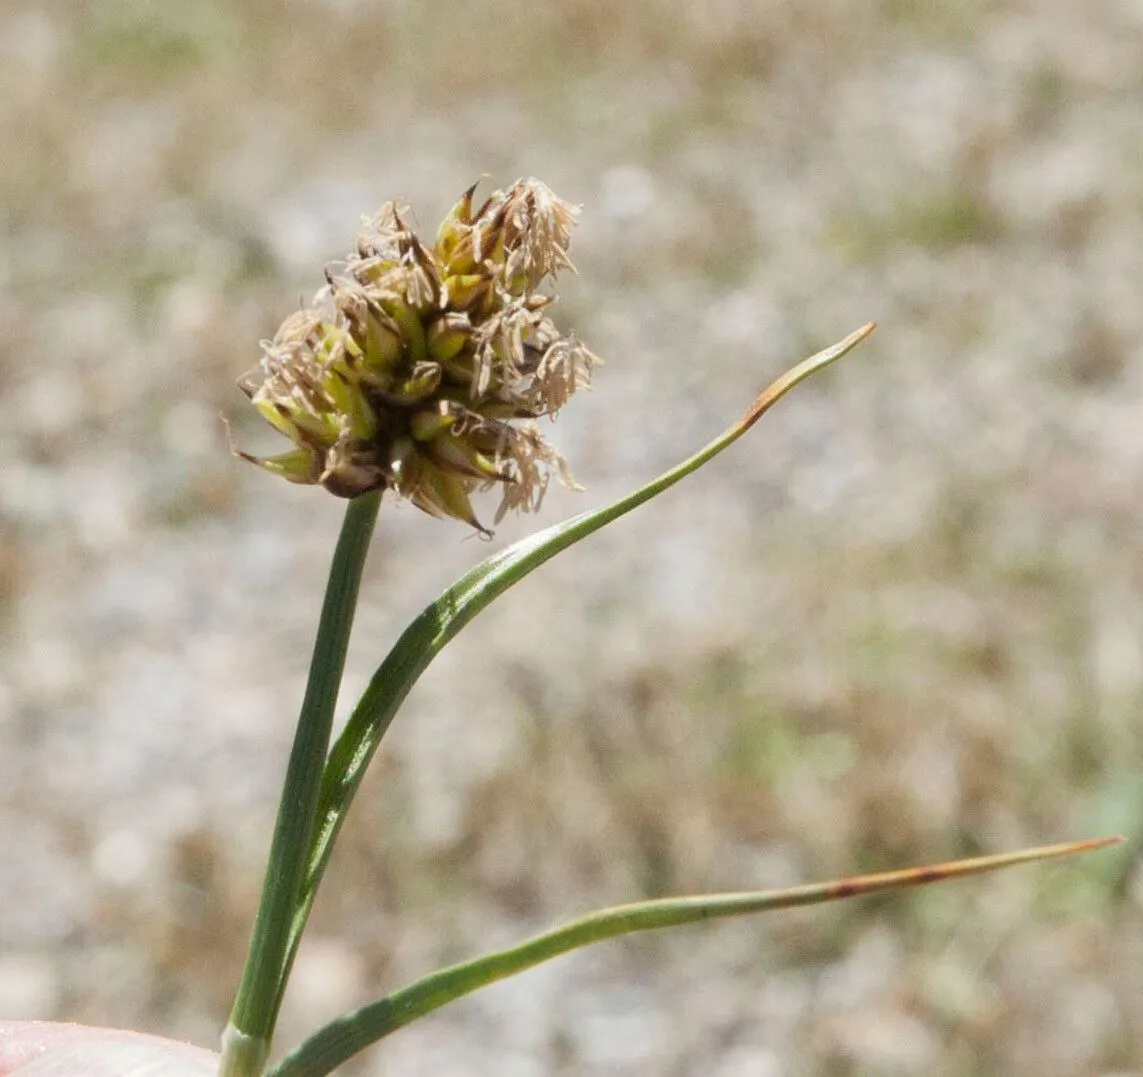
column 340, row 1040
column 456, row 606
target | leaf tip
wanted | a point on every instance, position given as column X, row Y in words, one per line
column 798, row 373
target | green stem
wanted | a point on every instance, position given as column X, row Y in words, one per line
column 246, row 1042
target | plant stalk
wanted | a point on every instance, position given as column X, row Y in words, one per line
column 246, row 1041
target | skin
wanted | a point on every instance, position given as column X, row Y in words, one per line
column 47, row 1049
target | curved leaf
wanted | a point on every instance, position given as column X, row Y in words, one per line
column 460, row 603
column 341, row 1039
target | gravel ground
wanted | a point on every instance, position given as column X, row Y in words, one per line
column 900, row 622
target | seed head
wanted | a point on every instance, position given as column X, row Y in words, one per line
column 422, row 369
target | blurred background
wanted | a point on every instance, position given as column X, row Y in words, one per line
column 900, row 622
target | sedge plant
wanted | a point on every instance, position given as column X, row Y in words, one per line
column 421, row 371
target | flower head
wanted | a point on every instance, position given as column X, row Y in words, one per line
column 422, row 369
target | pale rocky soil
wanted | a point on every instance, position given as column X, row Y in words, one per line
column 901, row 622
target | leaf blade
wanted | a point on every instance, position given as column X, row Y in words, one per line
column 345, row 1037
column 458, row 604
